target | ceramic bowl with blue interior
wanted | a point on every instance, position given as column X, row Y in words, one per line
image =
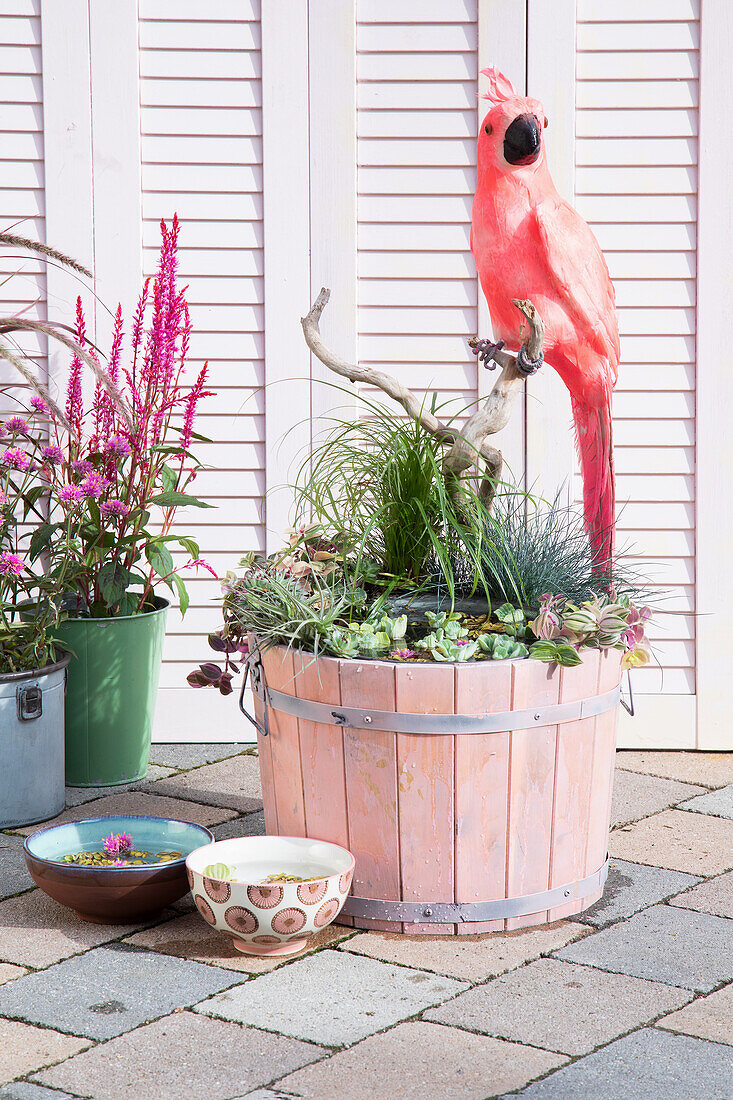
column 109, row 894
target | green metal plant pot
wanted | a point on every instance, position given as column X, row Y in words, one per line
column 110, row 698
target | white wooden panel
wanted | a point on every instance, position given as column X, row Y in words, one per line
column 201, row 152
column 550, row 77
column 333, row 195
column 715, row 316
column 636, row 155
column 287, row 242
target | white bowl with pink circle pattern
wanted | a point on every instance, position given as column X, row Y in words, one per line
column 270, row 918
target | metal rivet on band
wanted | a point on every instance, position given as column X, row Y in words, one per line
column 367, row 719
column 427, row 912
column 537, row 717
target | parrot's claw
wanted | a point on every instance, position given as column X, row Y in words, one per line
column 486, row 350
column 528, row 366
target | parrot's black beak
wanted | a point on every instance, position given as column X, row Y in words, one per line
column 523, row 140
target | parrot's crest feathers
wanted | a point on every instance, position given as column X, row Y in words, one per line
column 500, row 87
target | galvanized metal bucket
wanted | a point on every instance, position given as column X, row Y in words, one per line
column 32, row 740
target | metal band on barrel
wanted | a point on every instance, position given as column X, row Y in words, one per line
column 327, row 714
column 458, row 912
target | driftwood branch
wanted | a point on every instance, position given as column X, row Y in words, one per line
column 467, row 446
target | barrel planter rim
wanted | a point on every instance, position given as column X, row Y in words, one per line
column 550, row 819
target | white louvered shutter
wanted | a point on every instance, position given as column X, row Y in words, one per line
column 636, row 184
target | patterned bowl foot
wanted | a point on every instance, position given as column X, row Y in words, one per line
column 291, row 947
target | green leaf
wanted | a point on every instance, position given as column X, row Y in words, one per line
column 567, row 655
column 182, row 591
column 159, row 557
column 113, row 580
column 189, row 545
column 168, row 479
column 178, row 500
column 41, row 538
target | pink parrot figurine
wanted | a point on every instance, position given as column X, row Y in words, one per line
column 530, row 243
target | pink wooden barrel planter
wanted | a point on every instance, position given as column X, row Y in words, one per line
column 491, row 815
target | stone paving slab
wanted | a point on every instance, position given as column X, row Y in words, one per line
column 179, row 1056
column 36, row 931
column 678, row 840
column 708, row 1017
column 252, row 824
column 331, row 998
column 234, row 783
column 559, row 1006
column 8, row 972
column 714, row 896
column 24, row 1048
column 636, row 795
column 190, row 937
column 708, row 769
column 473, row 958
column 109, row 990
column 14, row 875
column 631, row 887
column 76, row 796
column 647, row 1065
column 191, row 755
column 718, row 803
column 28, row 1090
column 147, row 805
column 660, row 944
column 420, row 1061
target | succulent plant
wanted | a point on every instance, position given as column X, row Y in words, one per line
column 513, row 618
column 561, row 652
column 500, row 647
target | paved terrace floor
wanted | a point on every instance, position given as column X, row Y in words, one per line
column 633, row 1000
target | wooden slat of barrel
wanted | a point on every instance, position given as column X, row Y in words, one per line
column 285, row 746
column 322, row 752
column 482, row 767
column 573, row 804
column 531, row 786
column 425, row 792
column 604, row 761
column 370, row 758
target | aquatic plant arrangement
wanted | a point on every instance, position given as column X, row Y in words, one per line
column 89, row 490
column 117, row 851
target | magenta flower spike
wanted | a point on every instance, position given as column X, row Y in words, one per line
column 74, row 400
column 124, row 842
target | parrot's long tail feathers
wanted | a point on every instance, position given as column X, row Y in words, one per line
column 594, row 433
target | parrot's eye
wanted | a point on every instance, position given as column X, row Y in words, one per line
column 545, row 123
column 488, row 129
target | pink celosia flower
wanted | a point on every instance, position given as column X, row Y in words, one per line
column 120, row 863
column 71, row 494
column 114, row 508
column 16, row 458
column 16, row 425
column 74, row 399
column 197, row 392
column 52, row 454
column 204, row 565
column 124, row 842
column 10, row 564
column 399, row 654
column 461, row 641
column 93, row 485
column 117, row 447
column 3, row 498
column 39, row 405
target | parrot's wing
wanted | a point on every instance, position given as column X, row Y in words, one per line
column 579, row 276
